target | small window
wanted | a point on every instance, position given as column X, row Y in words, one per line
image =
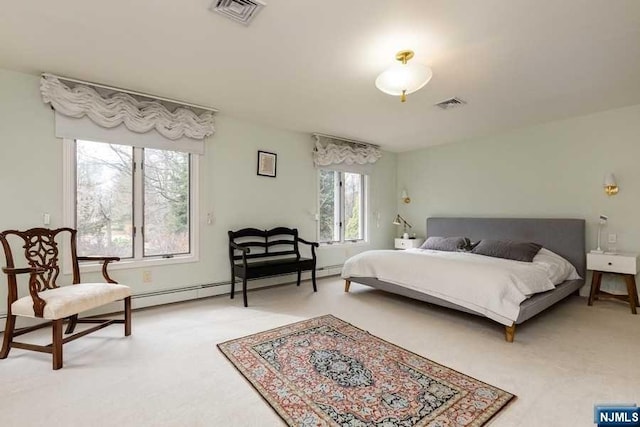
column 341, row 207
column 104, row 199
column 135, row 203
column 166, row 203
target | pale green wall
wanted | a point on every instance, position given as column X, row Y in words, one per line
column 31, row 183
column 550, row 170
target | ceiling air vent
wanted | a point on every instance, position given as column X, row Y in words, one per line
column 242, row 11
column 450, row 103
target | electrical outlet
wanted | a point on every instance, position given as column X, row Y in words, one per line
column 146, row 276
column 613, row 238
column 46, row 218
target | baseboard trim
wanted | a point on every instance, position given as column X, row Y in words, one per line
column 187, row 293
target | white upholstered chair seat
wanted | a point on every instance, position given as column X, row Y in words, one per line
column 68, row 300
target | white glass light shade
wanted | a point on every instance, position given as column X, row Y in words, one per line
column 610, row 180
column 610, row 185
column 408, row 77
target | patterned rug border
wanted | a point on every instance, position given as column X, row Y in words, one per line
column 280, row 411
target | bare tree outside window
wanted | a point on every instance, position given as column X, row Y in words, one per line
column 352, row 206
column 341, row 206
column 166, row 202
column 104, row 199
column 107, row 205
column 329, row 206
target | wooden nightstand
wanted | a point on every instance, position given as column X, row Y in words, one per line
column 624, row 265
column 408, row 243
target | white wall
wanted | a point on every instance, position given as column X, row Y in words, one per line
column 550, row 170
column 31, row 183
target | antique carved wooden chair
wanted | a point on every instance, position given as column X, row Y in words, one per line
column 47, row 300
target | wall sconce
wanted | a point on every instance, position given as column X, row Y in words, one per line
column 610, row 185
column 405, row 197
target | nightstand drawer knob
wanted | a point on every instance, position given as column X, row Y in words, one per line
column 609, row 263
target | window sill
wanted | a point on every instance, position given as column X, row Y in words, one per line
column 146, row 263
column 343, row 244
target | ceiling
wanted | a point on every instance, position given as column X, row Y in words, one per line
column 310, row 65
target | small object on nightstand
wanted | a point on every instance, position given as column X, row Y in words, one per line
column 624, row 265
column 412, row 243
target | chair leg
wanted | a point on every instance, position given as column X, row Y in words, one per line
column 244, row 291
column 71, row 326
column 8, row 336
column 127, row 316
column 299, row 277
column 233, row 285
column 57, row 344
column 313, row 279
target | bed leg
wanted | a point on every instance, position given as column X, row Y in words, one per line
column 510, row 332
column 347, row 284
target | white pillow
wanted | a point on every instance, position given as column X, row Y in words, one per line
column 557, row 268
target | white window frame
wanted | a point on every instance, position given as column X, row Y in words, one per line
column 69, row 215
column 363, row 215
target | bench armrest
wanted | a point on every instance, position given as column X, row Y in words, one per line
column 315, row 244
column 105, row 262
column 244, row 250
column 38, row 303
column 23, row 270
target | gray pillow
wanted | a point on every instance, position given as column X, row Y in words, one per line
column 508, row 249
column 449, row 244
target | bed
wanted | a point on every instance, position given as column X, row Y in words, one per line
column 564, row 237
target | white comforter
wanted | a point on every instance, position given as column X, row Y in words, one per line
column 494, row 287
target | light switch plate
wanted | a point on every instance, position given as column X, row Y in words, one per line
column 613, row 238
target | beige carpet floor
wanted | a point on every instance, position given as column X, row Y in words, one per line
column 170, row 373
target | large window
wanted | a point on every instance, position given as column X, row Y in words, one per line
column 341, row 207
column 134, row 203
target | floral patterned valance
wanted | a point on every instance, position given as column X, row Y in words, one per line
column 138, row 115
column 330, row 151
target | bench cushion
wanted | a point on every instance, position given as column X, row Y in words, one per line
column 273, row 267
column 69, row 300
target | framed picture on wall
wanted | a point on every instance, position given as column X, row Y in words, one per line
column 267, row 163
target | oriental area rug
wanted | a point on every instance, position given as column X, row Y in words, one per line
column 326, row 372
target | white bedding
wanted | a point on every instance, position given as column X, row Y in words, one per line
column 494, row 287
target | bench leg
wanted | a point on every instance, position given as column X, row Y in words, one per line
column 299, row 277
column 313, row 279
column 233, row 285
column 8, row 336
column 127, row 316
column 57, row 344
column 244, row 291
column 71, row 326
column 347, row 285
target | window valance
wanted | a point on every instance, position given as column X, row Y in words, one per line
column 83, row 112
column 339, row 153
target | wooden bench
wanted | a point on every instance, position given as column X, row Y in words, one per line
column 264, row 253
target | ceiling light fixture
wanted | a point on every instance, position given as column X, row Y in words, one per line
column 404, row 78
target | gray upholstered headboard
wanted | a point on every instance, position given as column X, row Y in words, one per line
column 562, row 236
